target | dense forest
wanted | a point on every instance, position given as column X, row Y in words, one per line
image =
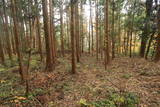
column 79, row 53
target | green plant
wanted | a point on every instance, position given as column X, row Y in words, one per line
column 126, row 76
column 118, row 99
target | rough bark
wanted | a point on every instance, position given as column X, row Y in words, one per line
column 107, row 56
column 49, row 64
column 16, row 34
column 72, row 27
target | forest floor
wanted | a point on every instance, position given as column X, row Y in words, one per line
column 91, row 83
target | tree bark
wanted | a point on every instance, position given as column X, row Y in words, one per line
column 18, row 47
column 49, row 63
column 157, row 53
column 72, row 36
column 107, row 56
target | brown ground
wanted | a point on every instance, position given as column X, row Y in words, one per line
column 92, row 82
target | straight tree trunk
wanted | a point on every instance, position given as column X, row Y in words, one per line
column 149, row 45
column 97, row 33
column 72, row 27
column 2, row 58
column 91, row 22
column 107, row 56
column 62, row 30
column 52, row 32
column 77, row 32
column 15, row 21
column 157, row 53
column 7, row 31
column 113, row 31
column 146, row 31
column 49, row 63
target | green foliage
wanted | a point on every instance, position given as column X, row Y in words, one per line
column 126, row 76
column 114, row 100
column 83, row 103
column 109, row 70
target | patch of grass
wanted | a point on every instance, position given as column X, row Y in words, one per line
column 114, row 100
column 126, row 76
column 109, row 70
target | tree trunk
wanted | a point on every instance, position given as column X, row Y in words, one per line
column 97, row 33
column 2, row 58
column 49, row 64
column 157, row 54
column 18, row 47
column 107, row 56
column 113, row 31
column 52, row 32
column 62, row 31
column 73, row 37
column 7, row 31
column 77, row 31
column 146, row 29
column 149, row 45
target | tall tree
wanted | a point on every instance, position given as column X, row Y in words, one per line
column 107, row 56
column 157, row 54
column 49, row 58
column 77, row 33
column 7, row 30
column 145, row 34
column 97, row 29
column 72, row 27
column 113, row 29
column 17, row 40
column 62, row 30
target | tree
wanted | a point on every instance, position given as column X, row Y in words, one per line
column 62, row 31
column 113, row 29
column 97, row 27
column 107, row 56
column 17, row 41
column 157, row 54
column 72, row 3
column 77, row 33
column 49, row 58
column 146, row 28
column 7, row 31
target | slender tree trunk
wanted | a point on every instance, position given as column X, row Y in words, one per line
column 113, row 31
column 127, row 42
column 15, row 21
column 52, row 32
column 91, row 22
column 39, row 39
column 107, row 56
column 149, row 45
column 2, row 58
column 62, row 31
column 131, row 33
column 77, row 32
column 146, row 29
column 89, row 41
column 81, row 33
column 73, row 37
column 9, row 50
column 97, row 33
column 157, row 54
